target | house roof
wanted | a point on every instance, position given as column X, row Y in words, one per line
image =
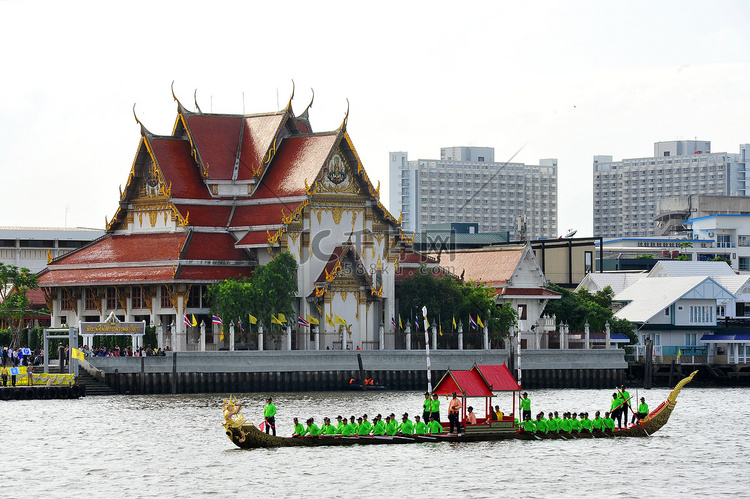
column 492, row 266
column 618, row 281
column 678, row 268
column 467, row 383
column 648, row 297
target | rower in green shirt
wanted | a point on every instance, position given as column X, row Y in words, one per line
column 349, row 429
column 269, row 413
column 340, row 425
column 312, row 429
column 541, row 424
column 379, row 427
column 551, row 424
column 586, row 422
column 642, row 411
column 565, row 423
column 609, row 423
column 299, row 430
column 575, row 425
column 598, row 423
column 391, row 427
column 330, row 429
column 420, row 428
column 435, row 408
column 406, row 427
column 529, row 426
column 435, row 427
column 364, row 427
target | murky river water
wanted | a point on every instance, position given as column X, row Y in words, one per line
column 174, row 446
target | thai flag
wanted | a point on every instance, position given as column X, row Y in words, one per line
column 302, row 322
column 416, row 322
column 262, row 426
column 472, row 322
column 393, row 322
column 185, row 320
column 215, row 319
column 239, row 323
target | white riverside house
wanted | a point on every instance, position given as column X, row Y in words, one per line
column 653, row 300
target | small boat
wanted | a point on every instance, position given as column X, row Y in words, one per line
column 246, row 436
column 370, row 384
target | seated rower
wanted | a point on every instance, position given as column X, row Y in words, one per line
column 312, row 429
column 585, row 422
column 391, row 426
column 642, row 411
column 598, row 423
column 364, row 427
column 341, row 422
column 529, row 426
column 435, row 427
column 575, row 425
column 406, row 427
column 330, row 429
column 565, row 423
column 299, row 430
column 541, row 424
column 420, row 428
column 378, row 428
column 609, row 423
column 551, row 424
column 350, row 428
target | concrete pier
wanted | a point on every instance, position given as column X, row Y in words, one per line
column 298, row 371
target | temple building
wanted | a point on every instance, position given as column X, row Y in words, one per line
column 221, row 195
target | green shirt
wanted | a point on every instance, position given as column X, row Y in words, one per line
column 529, row 426
column 625, row 396
column 586, row 424
column 299, row 429
column 526, row 404
column 575, row 425
column 643, row 408
column 407, row 427
column 391, row 428
column 348, row 429
column 435, row 428
column 269, row 411
column 552, row 425
column 541, row 426
column 379, row 428
column 597, row 424
column 609, row 423
column 420, row 428
column 435, row 406
column 312, row 430
column 340, row 427
column 565, row 425
column 364, row 428
column 427, row 404
column 329, row 430
column 616, row 402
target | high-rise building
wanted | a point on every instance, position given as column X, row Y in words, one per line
column 627, row 193
column 467, row 185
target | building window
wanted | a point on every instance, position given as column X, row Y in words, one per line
column 723, row 241
column 136, row 298
column 743, row 240
column 744, row 263
column 66, row 301
column 111, row 298
column 90, row 301
column 166, row 297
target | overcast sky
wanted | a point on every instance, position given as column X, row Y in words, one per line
column 566, row 80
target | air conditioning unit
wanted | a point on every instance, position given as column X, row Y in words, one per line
column 710, row 234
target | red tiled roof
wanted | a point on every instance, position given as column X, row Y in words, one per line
column 105, row 275
column 298, row 159
column 331, row 264
column 179, row 168
column 255, row 237
column 128, row 248
column 263, row 214
column 217, row 139
column 467, row 383
column 499, row 378
column 489, row 266
column 212, row 273
column 257, row 137
column 213, row 246
column 205, row 215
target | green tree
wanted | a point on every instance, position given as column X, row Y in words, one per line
column 271, row 290
column 15, row 282
column 720, row 259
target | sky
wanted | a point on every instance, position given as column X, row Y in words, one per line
column 565, row 80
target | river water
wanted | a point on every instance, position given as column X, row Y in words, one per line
column 174, row 446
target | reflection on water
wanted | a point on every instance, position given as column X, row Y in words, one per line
column 174, row 446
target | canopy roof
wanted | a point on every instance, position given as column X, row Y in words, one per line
column 725, row 338
column 466, row 383
column 498, row 378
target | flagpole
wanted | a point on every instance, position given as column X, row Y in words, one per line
column 427, row 350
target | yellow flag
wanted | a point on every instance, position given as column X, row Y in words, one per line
column 282, row 319
column 426, row 323
column 479, row 322
column 400, row 326
column 275, row 320
column 330, row 321
column 440, row 328
column 253, row 319
column 339, row 320
column 76, row 354
column 454, row 322
column 312, row 320
column 221, row 334
column 679, row 353
column 194, row 323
